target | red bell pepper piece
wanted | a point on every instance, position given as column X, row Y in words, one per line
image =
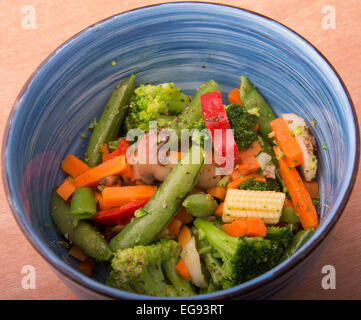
column 215, row 117
column 120, row 215
column 119, row 151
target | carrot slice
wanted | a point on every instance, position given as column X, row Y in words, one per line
column 251, row 152
column 236, row 183
column 91, row 177
column 66, row 189
column 251, row 165
column 117, row 196
column 184, row 216
column 219, row 210
column 73, row 166
column 234, row 96
column 235, row 229
column 217, row 192
column 174, row 226
column 235, row 174
column 301, row 199
column 127, row 174
column 184, row 236
column 287, row 143
column 251, row 227
column 182, row 270
column 105, row 151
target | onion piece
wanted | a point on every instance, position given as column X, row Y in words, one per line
column 192, row 260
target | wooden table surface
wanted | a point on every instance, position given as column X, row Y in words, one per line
column 22, row 50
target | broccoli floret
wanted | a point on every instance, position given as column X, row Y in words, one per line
column 155, row 102
column 242, row 124
column 269, row 185
column 243, row 258
column 281, row 235
column 149, row 270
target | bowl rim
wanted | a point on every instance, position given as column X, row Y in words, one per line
column 101, row 289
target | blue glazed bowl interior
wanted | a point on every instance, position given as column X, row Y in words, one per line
column 184, row 43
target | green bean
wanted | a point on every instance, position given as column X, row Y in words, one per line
column 110, row 121
column 289, row 215
column 297, row 242
column 164, row 204
column 83, row 204
column 200, row 205
column 83, row 235
column 251, row 98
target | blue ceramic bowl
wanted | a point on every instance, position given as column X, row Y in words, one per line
column 185, row 43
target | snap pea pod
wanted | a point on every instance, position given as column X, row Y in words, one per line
column 200, row 205
column 83, row 204
column 164, row 204
column 251, row 98
column 83, row 235
column 182, row 286
column 298, row 241
column 193, row 113
column 110, row 121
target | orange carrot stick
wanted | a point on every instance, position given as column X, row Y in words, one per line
column 117, row 196
column 251, row 152
column 127, row 174
column 250, row 227
column 287, row 143
column 234, row 96
column 182, row 270
column 105, row 151
column 91, row 177
column 236, row 183
column 301, row 199
column 174, row 226
column 217, row 192
column 73, row 166
column 184, row 216
column 251, row 165
column 66, row 189
column 184, row 236
column 219, row 210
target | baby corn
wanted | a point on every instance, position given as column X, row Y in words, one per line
column 266, row 205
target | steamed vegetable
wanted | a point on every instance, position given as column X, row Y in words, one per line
column 164, row 204
column 66, row 189
column 73, row 166
column 266, row 205
column 82, row 235
column 298, row 242
column 83, row 204
column 252, row 100
column 242, row 124
column 251, row 227
column 200, row 205
column 149, row 270
column 301, row 199
column 287, row 143
column 150, row 102
column 243, row 258
column 306, row 141
column 110, row 121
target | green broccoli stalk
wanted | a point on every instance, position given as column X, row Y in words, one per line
column 155, row 103
column 242, row 124
column 269, row 185
column 243, row 258
column 149, row 270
